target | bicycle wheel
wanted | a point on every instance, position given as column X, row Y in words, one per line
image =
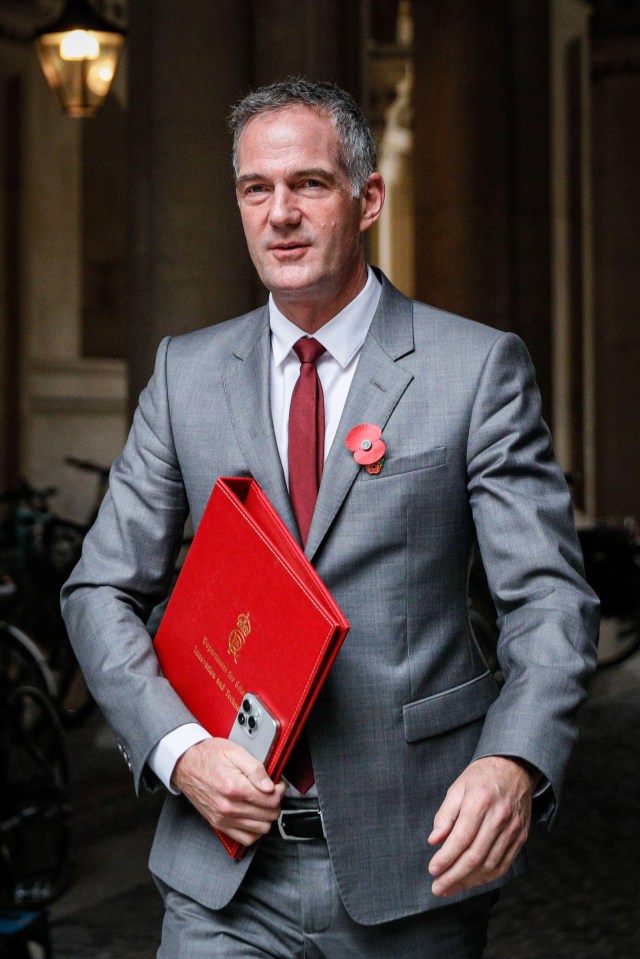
column 619, row 639
column 22, row 663
column 62, row 545
column 73, row 701
column 34, row 802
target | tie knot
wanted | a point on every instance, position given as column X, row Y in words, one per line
column 308, row 350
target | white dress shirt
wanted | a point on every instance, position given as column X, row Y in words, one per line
column 342, row 338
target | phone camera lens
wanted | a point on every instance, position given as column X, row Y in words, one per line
column 246, row 705
column 241, row 719
column 252, row 722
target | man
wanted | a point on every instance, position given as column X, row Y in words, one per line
column 424, row 774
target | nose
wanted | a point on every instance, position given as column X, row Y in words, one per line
column 284, row 209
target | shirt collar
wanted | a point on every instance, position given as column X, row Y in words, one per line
column 342, row 336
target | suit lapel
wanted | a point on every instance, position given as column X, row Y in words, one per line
column 377, row 386
column 246, row 386
column 375, row 391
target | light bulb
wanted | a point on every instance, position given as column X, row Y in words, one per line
column 79, row 45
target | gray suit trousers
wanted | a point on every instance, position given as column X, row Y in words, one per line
column 289, row 907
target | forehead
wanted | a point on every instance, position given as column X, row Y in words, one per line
column 289, row 134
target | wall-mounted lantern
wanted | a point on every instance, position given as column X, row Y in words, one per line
column 79, row 55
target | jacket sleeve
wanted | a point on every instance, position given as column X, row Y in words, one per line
column 125, row 569
column 547, row 614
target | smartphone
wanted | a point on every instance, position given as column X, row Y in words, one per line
column 255, row 728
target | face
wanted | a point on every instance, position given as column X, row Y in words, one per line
column 303, row 226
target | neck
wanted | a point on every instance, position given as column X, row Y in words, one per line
column 314, row 311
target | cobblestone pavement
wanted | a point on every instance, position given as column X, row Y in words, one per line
column 580, row 900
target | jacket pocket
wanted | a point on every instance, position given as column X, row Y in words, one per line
column 393, row 465
column 450, row 708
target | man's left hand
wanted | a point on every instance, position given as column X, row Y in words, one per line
column 483, row 823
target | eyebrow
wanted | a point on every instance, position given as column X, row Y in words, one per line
column 310, row 173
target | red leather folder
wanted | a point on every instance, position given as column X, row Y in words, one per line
column 248, row 614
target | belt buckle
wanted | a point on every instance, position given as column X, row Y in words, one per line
column 297, row 812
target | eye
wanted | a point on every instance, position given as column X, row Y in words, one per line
column 252, row 192
column 311, row 186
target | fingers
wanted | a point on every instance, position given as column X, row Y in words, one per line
column 483, row 823
column 475, row 859
column 229, row 788
column 250, row 767
column 445, row 818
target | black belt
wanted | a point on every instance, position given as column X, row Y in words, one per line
column 299, row 825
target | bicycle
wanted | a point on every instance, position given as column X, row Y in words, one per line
column 35, row 805
column 22, row 663
column 39, row 549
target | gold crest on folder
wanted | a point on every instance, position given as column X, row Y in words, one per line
column 238, row 635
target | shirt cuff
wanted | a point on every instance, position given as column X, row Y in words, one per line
column 164, row 756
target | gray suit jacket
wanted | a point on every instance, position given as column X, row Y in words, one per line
column 409, row 701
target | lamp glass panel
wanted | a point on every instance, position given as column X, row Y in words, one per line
column 80, row 83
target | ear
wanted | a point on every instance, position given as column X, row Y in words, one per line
column 372, row 201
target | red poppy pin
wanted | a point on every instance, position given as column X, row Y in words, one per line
column 367, row 446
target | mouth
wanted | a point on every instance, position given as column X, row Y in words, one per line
column 289, row 250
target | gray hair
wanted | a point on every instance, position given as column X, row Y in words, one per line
column 357, row 149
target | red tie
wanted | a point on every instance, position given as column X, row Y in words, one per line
column 306, row 458
column 306, row 435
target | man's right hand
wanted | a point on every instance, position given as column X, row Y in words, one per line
column 229, row 788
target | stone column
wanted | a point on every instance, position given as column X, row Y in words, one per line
column 189, row 266
column 492, row 178
column 11, row 90
column 616, row 342
column 318, row 39
column 391, row 242
column 461, row 157
column 571, row 246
